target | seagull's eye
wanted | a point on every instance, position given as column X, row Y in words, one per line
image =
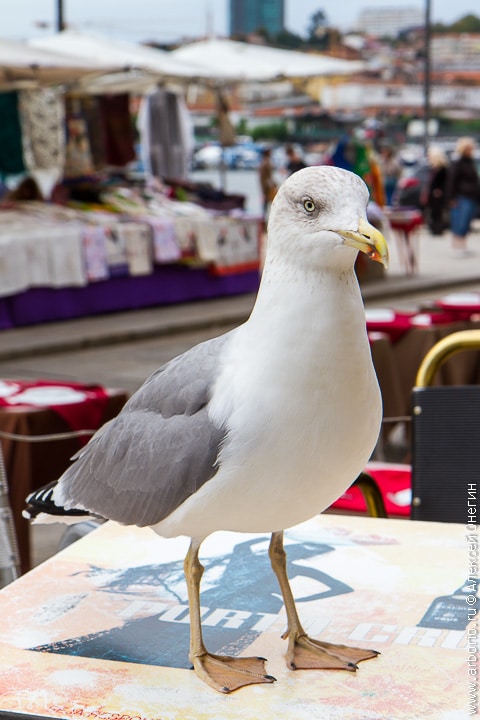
column 309, row 205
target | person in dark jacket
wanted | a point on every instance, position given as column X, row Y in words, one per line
column 463, row 192
column 294, row 161
column 435, row 209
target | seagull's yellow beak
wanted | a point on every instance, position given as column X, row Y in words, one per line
column 367, row 239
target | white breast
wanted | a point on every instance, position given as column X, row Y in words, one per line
column 302, row 406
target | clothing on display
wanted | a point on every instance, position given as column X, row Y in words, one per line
column 164, row 134
column 105, row 226
column 78, row 153
column 11, row 148
column 117, row 129
column 42, row 119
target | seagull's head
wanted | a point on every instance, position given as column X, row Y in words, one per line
column 320, row 214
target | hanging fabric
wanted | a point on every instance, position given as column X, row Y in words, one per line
column 166, row 135
column 78, row 154
column 117, row 129
column 90, row 105
column 11, row 147
column 42, row 120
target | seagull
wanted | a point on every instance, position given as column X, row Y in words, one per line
column 258, row 429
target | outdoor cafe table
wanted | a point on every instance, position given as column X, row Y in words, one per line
column 29, row 465
column 412, row 335
column 101, row 629
column 461, row 306
column 405, row 223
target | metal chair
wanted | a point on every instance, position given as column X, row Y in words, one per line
column 371, row 494
column 445, row 438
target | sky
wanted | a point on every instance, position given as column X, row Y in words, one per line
column 167, row 21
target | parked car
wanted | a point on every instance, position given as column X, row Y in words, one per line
column 208, row 156
column 243, row 155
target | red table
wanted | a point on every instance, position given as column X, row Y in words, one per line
column 462, row 306
column 405, row 222
column 412, row 335
column 29, row 465
column 392, row 323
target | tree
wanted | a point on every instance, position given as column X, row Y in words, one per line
column 289, row 40
column 276, row 131
column 321, row 36
column 469, row 23
column 317, row 25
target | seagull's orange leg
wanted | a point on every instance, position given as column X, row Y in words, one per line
column 303, row 652
column 222, row 672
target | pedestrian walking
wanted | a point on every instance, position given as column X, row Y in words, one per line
column 390, row 169
column 434, row 202
column 294, row 161
column 267, row 182
column 463, row 192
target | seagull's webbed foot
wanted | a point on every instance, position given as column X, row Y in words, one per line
column 226, row 674
column 222, row 672
column 306, row 653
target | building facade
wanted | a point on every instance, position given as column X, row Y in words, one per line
column 388, row 21
column 459, row 51
column 248, row 16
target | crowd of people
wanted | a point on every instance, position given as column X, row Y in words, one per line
column 463, row 195
column 449, row 199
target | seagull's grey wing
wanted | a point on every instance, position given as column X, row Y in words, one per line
column 160, row 449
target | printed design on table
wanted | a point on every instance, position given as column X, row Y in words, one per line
column 239, row 600
column 117, row 574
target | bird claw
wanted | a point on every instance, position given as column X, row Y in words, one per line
column 226, row 674
column 306, row 653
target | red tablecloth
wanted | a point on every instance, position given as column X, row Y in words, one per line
column 396, row 324
column 82, row 407
column 461, row 306
column 404, row 219
column 29, row 465
column 404, row 222
column 392, row 323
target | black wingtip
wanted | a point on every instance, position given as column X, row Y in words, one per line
column 41, row 501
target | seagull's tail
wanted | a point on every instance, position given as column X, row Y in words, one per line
column 41, row 507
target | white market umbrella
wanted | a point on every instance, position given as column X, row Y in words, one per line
column 236, row 61
column 20, row 62
column 118, row 53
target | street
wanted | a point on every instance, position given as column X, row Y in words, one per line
column 128, row 365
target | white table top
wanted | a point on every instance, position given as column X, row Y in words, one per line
column 119, row 594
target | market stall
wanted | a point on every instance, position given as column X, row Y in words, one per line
column 92, row 224
column 59, row 262
column 22, row 65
